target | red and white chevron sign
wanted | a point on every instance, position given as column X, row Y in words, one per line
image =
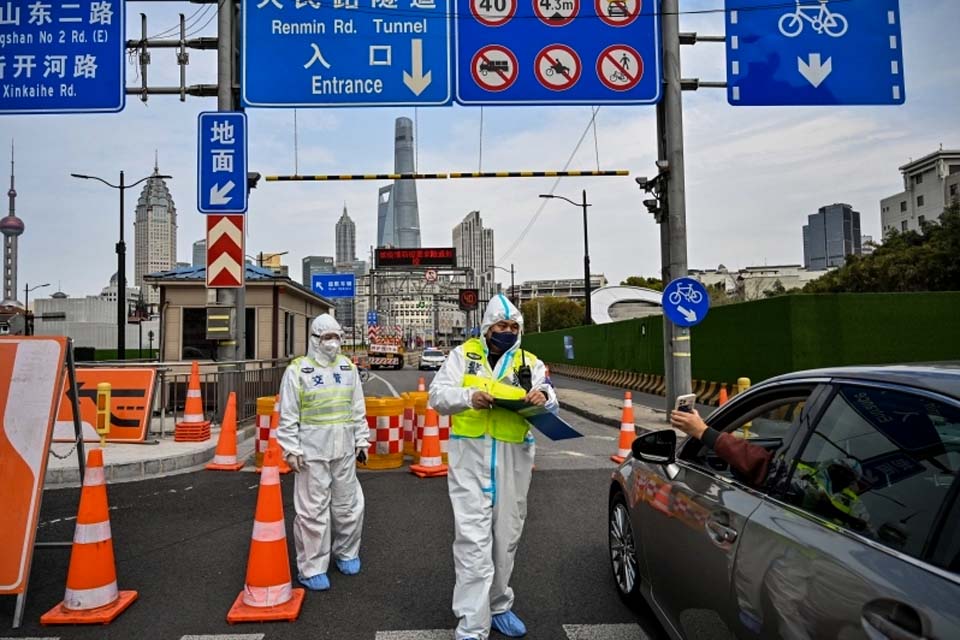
column 224, row 251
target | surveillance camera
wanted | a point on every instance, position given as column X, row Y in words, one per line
column 642, row 181
column 663, row 165
column 651, row 203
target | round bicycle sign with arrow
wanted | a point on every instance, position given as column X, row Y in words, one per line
column 493, row 13
column 620, row 67
column 558, row 67
column 686, row 302
column 556, row 13
column 617, row 13
column 494, row 68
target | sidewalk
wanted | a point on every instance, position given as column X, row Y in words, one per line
column 163, row 457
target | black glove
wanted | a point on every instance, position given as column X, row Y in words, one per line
column 361, row 455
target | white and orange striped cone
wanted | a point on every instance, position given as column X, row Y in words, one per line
column 268, row 592
column 225, row 457
column 627, row 431
column 272, row 441
column 421, row 384
column 431, row 460
column 91, row 595
column 193, row 427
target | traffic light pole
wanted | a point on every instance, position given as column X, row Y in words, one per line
column 673, row 231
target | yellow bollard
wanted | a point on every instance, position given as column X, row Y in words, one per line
column 742, row 385
column 103, row 411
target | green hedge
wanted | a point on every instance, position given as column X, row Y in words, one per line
column 764, row 338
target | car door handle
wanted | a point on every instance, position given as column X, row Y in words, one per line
column 721, row 533
column 891, row 620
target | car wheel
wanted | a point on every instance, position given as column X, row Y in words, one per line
column 623, row 550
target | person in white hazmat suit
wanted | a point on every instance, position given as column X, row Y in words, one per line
column 490, row 456
column 323, row 431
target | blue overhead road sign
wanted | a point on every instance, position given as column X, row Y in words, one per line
column 558, row 52
column 345, row 53
column 61, row 57
column 686, row 302
column 814, row 52
column 333, row 285
column 222, row 162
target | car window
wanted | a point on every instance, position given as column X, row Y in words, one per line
column 881, row 462
column 433, row 354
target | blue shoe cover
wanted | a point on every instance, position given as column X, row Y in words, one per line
column 319, row 582
column 509, row 625
column 349, row 567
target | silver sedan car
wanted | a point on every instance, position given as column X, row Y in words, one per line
column 852, row 532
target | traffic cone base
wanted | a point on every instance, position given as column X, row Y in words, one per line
column 101, row 615
column 289, row 610
column 216, row 466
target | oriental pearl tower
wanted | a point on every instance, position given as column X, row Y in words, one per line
column 12, row 228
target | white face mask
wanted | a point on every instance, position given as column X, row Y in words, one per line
column 330, row 348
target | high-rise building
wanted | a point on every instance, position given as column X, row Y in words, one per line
column 200, row 253
column 346, row 233
column 12, row 228
column 830, row 235
column 930, row 185
column 155, row 230
column 398, row 216
column 316, row 264
column 474, row 247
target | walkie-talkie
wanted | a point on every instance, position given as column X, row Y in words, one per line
column 524, row 373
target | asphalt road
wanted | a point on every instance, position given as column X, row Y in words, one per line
column 182, row 542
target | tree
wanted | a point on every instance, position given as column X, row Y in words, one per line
column 648, row 283
column 907, row 261
column 553, row 314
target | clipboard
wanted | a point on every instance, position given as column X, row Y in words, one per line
column 545, row 422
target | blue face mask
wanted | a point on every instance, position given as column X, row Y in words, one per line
column 503, row 340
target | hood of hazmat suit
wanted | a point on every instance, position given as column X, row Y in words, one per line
column 322, row 324
column 500, row 308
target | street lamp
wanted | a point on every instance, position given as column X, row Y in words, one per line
column 266, row 256
column 121, row 259
column 588, row 318
column 26, row 305
column 513, row 292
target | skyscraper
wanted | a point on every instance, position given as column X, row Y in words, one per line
column 474, row 246
column 155, row 230
column 316, row 264
column 398, row 216
column 830, row 235
column 12, row 228
column 346, row 232
column 200, row 253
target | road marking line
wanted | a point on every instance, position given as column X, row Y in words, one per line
column 604, row 632
column 422, row 634
column 389, row 386
column 226, row 636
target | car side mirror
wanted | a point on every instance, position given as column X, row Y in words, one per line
column 656, row 447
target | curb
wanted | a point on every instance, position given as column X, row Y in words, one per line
column 596, row 417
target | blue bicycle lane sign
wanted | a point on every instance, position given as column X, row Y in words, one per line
column 686, row 302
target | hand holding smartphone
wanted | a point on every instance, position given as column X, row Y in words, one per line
column 685, row 402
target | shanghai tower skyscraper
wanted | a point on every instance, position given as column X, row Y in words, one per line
column 398, row 216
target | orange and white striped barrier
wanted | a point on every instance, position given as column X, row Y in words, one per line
column 91, row 596
column 408, row 421
column 627, row 430
column 384, row 419
column 268, row 592
column 264, row 412
column 431, row 462
column 444, row 427
column 193, row 427
column 225, row 456
column 272, row 437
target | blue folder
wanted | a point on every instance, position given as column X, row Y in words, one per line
column 547, row 423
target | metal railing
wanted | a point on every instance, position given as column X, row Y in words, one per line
column 250, row 379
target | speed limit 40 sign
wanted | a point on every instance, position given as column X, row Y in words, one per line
column 493, row 13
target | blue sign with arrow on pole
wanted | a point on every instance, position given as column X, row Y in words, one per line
column 337, row 53
column 334, row 285
column 686, row 302
column 62, row 57
column 222, row 162
column 814, row 52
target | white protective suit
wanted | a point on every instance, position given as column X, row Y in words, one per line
column 487, row 482
column 327, row 484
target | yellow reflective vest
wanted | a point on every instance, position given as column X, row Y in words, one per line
column 501, row 424
column 323, row 404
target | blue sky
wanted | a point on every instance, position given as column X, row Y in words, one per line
column 753, row 174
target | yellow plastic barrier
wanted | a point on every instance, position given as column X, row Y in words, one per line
column 385, row 419
column 103, row 411
column 264, row 412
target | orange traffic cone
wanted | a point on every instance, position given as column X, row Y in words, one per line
column 272, row 440
column 723, row 395
column 193, row 428
column 91, row 595
column 268, row 593
column 421, row 384
column 431, row 459
column 627, row 431
column 225, row 457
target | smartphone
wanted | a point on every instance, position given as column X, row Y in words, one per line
column 685, row 402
